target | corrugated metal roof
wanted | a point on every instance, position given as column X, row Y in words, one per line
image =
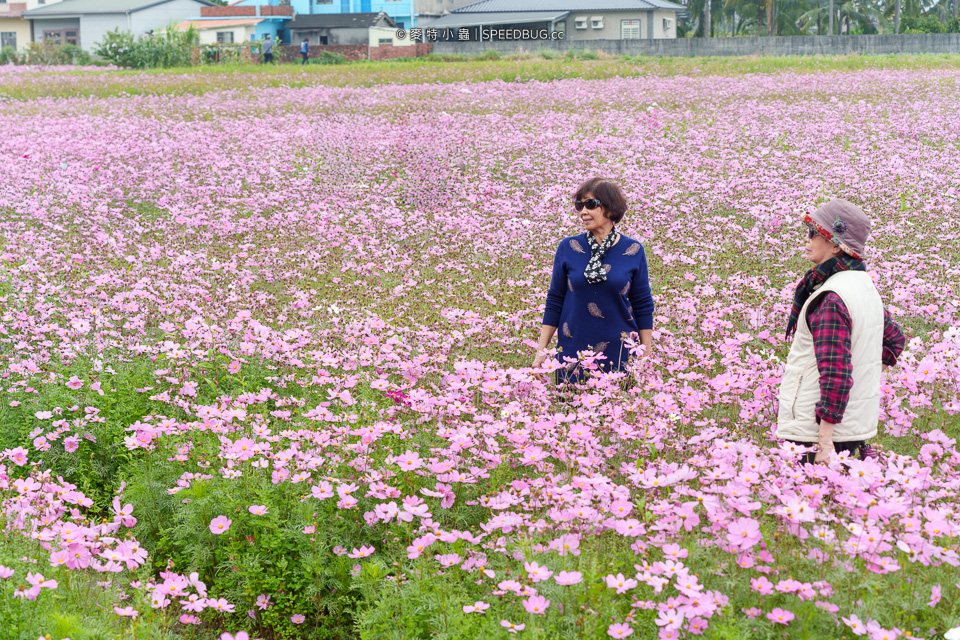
column 210, row 24
column 489, row 6
column 305, row 21
column 74, row 7
column 477, row 19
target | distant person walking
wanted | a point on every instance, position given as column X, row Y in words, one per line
column 305, row 50
column 842, row 337
column 600, row 289
column 267, row 49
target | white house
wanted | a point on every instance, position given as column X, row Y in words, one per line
column 577, row 19
column 84, row 22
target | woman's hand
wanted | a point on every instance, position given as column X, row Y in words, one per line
column 825, row 440
column 539, row 359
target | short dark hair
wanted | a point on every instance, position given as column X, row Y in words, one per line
column 608, row 193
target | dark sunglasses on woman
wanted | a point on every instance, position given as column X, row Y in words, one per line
column 592, row 203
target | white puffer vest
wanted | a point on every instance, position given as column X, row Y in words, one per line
column 800, row 388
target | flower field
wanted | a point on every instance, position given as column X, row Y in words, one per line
column 264, row 358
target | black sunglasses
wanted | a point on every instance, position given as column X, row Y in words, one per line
column 592, row 203
column 811, row 233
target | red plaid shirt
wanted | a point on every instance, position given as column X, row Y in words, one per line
column 830, row 325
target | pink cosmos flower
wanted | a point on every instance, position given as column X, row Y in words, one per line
column 362, row 552
column 408, row 460
column 698, row 626
column 220, row 524
column 75, row 382
column 257, row 509
column 234, row 367
column 241, row 635
column 537, row 573
column 512, row 628
column 536, row 604
column 744, row 533
column 6, row 572
column 935, row 595
column 761, row 585
column 620, row 582
column 71, row 443
column 448, row 559
column 263, row 601
column 752, row 612
column 477, row 607
column 219, row 604
column 126, row 612
column 18, row 456
column 619, row 630
column 38, row 580
column 297, row 618
column 186, row 618
column 780, row 616
column 567, row 578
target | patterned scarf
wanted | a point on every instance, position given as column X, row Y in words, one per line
column 814, row 278
column 595, row 272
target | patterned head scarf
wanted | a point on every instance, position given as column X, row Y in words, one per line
column 595, row 272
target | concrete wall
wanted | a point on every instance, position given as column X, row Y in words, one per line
column 751, row 46
column 291, row 54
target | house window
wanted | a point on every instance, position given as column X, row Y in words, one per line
column 629, row 29
column 385, row 41
column 596, row 22
column 8, row 39
column 52, row 36
column 581, row 23
column 324, row 1
column 666, row 25
column 225, row 37
column 70, row 36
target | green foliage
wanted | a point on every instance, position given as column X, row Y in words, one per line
column 119, row 47
column 548, row 54
column 929, row 24
column 489, row 54
column 172, row 48
column 260, row 554
column 8, row 55
column 47, row 53
column 329, row 57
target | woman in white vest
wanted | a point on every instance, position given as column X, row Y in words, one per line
column 842, row 337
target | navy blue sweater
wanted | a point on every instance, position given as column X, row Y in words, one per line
column 596, row 315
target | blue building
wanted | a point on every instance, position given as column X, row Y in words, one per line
column 403, row 12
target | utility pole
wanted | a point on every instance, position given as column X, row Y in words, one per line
column 831, row 16
column 706, row 19
column 896, row 17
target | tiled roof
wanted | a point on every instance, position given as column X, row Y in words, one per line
column 489, row 6
column 211, row 24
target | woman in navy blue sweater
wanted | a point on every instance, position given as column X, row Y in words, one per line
column 600, row 290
